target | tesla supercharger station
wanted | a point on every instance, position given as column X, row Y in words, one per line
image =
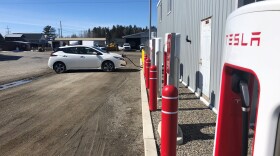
column 250, row 79
column 152, row 51
column 172, row 48
column 172, row 65
column 159, row 62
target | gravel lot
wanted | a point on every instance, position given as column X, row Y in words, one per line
column 20, row 65
column 74, row 113
column 197, row 122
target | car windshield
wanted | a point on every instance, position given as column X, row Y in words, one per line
column 100, row 50
column 126, row 44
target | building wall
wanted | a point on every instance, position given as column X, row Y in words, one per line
column 15, row 39
column 185, row 18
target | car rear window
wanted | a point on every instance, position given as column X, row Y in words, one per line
column 70, row 50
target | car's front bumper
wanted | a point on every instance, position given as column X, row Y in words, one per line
column 123, row 63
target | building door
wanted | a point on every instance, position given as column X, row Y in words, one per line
column 204, row 62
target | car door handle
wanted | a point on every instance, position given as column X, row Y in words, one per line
column 82, row 57
column 64, row 56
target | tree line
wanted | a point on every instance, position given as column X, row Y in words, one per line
column 116, row 31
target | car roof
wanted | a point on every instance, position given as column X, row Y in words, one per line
column 96, row 48
column 75, row 46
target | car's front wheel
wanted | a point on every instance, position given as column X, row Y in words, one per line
column 108, row 66
column 59, row 67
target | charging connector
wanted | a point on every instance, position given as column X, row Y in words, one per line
column 240, row 86
column 124, row 56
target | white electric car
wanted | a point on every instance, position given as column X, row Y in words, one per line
column 83, row 57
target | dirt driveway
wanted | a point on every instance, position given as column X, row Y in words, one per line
column 75, row 113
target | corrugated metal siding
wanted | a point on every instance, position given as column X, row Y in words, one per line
column 185, row 19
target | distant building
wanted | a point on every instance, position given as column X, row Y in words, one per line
column 35, row 38
column 25, row 41
column 78, row 41
column 119, row 41
column 136, row 39
column 2, row 41
column 1, row 38
column 14, row 37
column 32, row 38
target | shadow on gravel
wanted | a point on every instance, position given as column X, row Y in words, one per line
column 191, row 109
column 193, row 132
column 186, row 94
column 185, row 109
column 9, row 58
column 194, row 98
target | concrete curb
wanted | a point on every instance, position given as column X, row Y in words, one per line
column 148, row 134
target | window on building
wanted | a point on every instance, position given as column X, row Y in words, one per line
column 169, row 6
column 245, row 2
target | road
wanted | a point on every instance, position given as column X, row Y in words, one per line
column 75, row 113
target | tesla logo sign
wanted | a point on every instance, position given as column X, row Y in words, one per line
column 238, row 39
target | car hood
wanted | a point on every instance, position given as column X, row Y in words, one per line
column 114, row 54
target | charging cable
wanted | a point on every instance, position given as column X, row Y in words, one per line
column 131, row 61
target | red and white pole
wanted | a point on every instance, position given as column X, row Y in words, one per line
column 165, row 69
column 169, row 117
column 148, row 64
column 144, row 66
column 153, row 88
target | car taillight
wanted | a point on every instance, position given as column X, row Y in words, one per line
column 53, row 54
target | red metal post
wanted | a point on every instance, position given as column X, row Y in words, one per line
column 169, row 117
column 148, row 64
column 153, row 88
column 165, row 69
column 144, row 66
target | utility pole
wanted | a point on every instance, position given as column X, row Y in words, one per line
column 150, row 23
column 60, row 30
column 8, row 30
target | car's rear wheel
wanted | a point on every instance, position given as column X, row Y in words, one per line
column 59, row 67
column 108, row 66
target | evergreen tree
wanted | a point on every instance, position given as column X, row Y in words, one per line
column 49, row 31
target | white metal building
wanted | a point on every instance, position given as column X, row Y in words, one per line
column 201, row 24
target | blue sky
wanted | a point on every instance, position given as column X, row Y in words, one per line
column 76, row 15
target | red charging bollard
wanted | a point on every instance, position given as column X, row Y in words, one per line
column 148, row 64
column 169, row 117
column 164, row 69
column 153, row 88
column 144, row 66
